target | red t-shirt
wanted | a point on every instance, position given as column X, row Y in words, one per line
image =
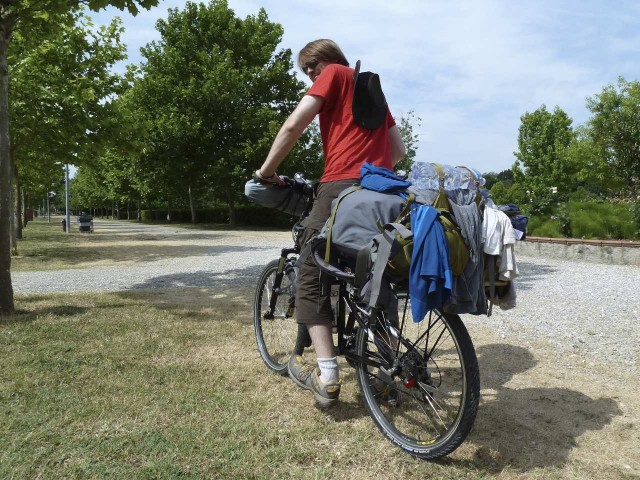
column 346, row 145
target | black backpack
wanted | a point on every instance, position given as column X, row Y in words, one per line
column 369, row 106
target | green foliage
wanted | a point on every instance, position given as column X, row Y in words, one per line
column 542, row 161
column 491, row 178
column 563, row 218
column 583, row 194
column 60, row 105
column 615, row 129
column 587, row 219
column 214, row 91
column 499, row 193
column 514, row 194
column 592, row 170
column 544, row 227
column 602, row 220
column 410, row 140
column 246, row 215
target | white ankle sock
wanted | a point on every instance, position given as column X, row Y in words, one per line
column 328, row 369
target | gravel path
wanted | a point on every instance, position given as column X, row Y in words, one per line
column 230, row 258
column 585, row 308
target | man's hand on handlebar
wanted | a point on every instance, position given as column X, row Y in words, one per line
column 273, row 179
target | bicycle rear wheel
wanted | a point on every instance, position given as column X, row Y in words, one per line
column 276, row 329
column 420, row 381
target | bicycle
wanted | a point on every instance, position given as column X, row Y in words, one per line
column 420, row 382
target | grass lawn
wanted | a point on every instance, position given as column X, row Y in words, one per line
column 169, row 384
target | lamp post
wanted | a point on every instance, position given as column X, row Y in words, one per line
column 66, row 196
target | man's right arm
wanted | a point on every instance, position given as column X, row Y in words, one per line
column 290, row 131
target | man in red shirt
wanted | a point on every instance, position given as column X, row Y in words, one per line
column 346, row 147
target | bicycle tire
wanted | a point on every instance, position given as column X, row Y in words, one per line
column 428, row 406
column 275, row 336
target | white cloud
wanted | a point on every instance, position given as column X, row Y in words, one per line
column 469, row 69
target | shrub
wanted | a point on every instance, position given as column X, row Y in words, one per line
column 599, row 220
column 634, row 209
column 584, row 195
column 544, row 227
column 246, row 215
column 563, row 218
column 591, row 220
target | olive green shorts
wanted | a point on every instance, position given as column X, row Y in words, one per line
column 313, row 306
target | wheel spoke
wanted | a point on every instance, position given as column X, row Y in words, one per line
column 276, row 330
column 426, row 403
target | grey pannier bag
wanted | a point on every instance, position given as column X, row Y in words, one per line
column 357, row 215
column 356, row 237
column 286, row 198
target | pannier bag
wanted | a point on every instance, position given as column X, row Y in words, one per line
column 518, row 221
column 458, row 250
column 357, row 215
column 286, row 198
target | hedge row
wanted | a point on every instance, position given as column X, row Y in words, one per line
column 590, row 220
column 246, row 215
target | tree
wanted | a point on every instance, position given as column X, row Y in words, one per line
column 39, row 18
column 61, row 107
column 542, row 166
column 593, row 172
column 410, row 140
column 215, row 91
column 491, row 178
column 615, row 129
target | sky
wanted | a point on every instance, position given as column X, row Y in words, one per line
column 467, row 69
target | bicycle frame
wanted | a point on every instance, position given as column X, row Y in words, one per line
column 419, row 382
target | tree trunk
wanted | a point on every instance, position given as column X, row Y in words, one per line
column 232, row 208
column 6, row 288
column 169, row 211
column 19, row 207
column 26, row 208
column 192, row 206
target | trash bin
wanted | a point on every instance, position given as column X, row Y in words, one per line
column 64, row 225
column 85, row 224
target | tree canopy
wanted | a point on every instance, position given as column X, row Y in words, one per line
column 541, row 165
column 37, row 20
column 214, row 91
column 615, row 129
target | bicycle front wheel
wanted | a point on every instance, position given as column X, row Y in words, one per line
column 276, row 329
column 419, row 381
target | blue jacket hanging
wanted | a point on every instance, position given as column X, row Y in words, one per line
column 430, row 276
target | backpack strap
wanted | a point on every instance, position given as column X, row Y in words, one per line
column 386, row 242
column 440, row 171
column 332, row 219
column 406, row 210
column 363, row 265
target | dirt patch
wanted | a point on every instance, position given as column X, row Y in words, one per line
column 543, row 412
column 543, row 409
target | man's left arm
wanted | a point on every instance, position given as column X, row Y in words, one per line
column 398, row 150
